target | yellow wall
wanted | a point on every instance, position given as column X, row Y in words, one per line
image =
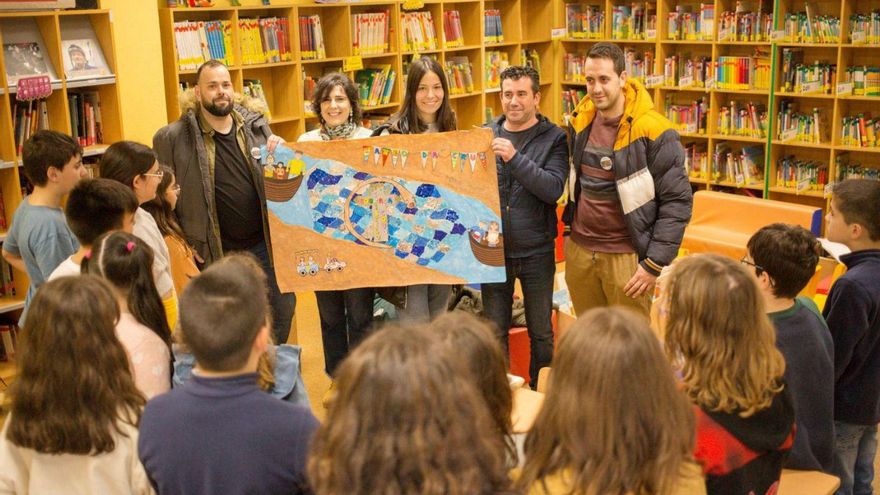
column 138, row 67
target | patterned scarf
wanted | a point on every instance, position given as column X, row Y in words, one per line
column 341, row 131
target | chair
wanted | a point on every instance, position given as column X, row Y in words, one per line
column 807, row 483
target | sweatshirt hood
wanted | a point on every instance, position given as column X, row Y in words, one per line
column 187, row 101
column 638, row 102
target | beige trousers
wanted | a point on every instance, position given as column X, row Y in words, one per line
column 597, row 279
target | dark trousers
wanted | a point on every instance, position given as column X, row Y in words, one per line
column 346, row 316
column 282, row 305
column 535, row 274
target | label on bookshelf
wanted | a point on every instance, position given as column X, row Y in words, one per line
column 828, row 190
column 844, row 88
column 777, row 35
column 788, row 135
column 710, row 82
column 352, row 63
column 740, row 180
column 651, row 34
column 803, row 185
column 811, row 87
column 558, row 33
column 691, row 128
column 723, row 33
column 654, row 81
column 858, row 38
column 686, row 82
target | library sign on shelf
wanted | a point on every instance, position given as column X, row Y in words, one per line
column 651, row 34
column 788, row 135
column 778, row 35
column 829, row 188
column 686, row 82
column 858, row 38
column 740, row 180
column 352, row 63
column 558, row 33
column 812, row 87
column 654, row 81
column 710, row 83
column 844, row 88
column 803, row 185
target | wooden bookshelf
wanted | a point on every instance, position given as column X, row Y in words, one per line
column 52, row 27
column 525, row 25
column 833, row 106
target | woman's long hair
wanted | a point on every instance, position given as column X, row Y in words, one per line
column 406, row 120
column 161, row 209
column 127, row 263
column 474, row 342
column 74, row 383
column 613, row 420
column 719, row 330
column 406, row 420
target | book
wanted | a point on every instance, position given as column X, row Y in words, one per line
column 453, row 33
column 492, row 26
column 311, row 38
column 371, row 32
column 459, row 74
column 496, row 62
column 418, row 31
column 584, row 21
column 196, row 42
column 83, row 59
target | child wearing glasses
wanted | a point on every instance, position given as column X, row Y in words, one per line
column 183, row 258
column 135, row 165
column 784, row 258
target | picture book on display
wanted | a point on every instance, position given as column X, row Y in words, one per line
column 83, row 59
column 24, row 51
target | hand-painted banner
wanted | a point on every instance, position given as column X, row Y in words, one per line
column 360, row 213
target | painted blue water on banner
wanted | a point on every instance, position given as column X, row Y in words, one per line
column 422, row 223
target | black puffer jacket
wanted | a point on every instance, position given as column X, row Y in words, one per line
column 529, row 187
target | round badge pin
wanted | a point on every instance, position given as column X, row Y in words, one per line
column 255, row 152
column 605, row 163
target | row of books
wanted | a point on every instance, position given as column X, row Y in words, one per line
column 28, row 118
column 745, row 26
column 743, row 167
column 696, row 160
column 743, row 119
column 265, row 40
column 418, row 31
column 570, row 99
column 846, row 170
column 254, row 89
column 688, row 118
column 584, row 21
column 809, row 127
column 459, row 74
column 371, row 32
column 860, row 131
column 796, row 173
column 683, row 71
column 7, row 288
column 803, row 27
column 684, row 24
column 452, row 29
column 865, row 80
column 865, row 28
column 85, row 117
column 743, row 72
column 531, row 58
column 492, row 26
column 311, row 38
column 496, row 61
column 818, row 78
column 375, row 85
column 200, row 41
column 637, row 21
column 639, row 65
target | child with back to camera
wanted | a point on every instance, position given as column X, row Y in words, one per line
column 73, row 422
column 613, row 420
column 126, row 262
column 719, row 335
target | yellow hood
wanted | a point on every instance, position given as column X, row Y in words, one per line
column 638, row 102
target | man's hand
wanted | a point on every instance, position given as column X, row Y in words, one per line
column 274, row 141
column 503, row 148
column 640, row 283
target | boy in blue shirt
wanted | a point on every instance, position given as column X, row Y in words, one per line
column 853, row 315
column 784, row 258
column 39, row 239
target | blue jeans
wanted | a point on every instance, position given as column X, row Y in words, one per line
column 346, row 316
column 856, row 446
column 282, row 305
column 535, row 274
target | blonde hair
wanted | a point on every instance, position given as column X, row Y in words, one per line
column 718, row 329
column 600, row 426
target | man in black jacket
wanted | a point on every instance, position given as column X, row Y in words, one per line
column 531, row 157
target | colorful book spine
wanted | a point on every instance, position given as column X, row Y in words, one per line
column 496, row 61
column 492, row 26
column 454, row 35
column 419, row 33
column 584, row 21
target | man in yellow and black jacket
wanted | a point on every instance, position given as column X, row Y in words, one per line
column 631, row 197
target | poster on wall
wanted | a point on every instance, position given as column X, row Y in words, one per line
column 385, row 211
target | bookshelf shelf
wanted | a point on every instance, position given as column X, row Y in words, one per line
column 266, row 66
column 9, row 164
column 803, row 144
column 94, row 150
column 761, row 92
column 8, row 304
column 742, row 139
column 858, row 149
column 792, row 190
column 859, row 98
column 817, row 96
column 686, row 42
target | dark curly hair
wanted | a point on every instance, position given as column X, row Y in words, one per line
column 325, row 86
column 517, row 72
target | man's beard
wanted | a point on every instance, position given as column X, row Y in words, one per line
column 218, row 111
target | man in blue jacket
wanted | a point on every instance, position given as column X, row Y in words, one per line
column 531, row 157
